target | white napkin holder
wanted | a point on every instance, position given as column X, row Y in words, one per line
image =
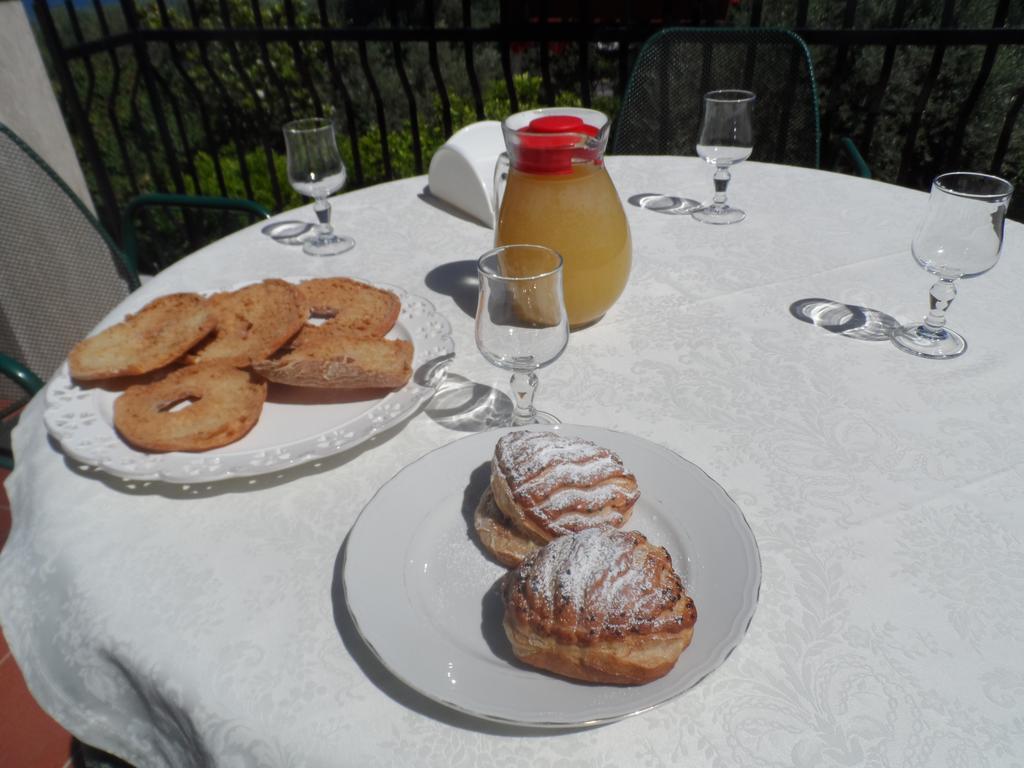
column 462, row 170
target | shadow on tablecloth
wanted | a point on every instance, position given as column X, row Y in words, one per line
column 848, row 320
column 209, row 489
column 459, row 280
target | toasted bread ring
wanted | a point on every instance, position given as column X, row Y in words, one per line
column 226, row 404
column 361, row 309
column 155, row 336
column 253, row 322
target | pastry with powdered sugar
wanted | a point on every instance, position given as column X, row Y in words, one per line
column 602, row 605
column 545, row 485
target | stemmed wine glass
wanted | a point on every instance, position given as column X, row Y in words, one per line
column 961, row 236
column 726, row 138
column 521, row 323
column 315, row 169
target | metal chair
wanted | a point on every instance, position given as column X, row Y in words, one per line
column 60, row 271
column 662, row 107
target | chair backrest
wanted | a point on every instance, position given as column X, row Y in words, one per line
column 662, row 107
column 60, row 273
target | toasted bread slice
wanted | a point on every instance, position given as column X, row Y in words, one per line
column 155, row 336
column 342, row 362
column 359, row 308
column 252, row 323
column 222, row 403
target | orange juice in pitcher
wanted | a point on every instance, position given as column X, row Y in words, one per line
column 557, row 192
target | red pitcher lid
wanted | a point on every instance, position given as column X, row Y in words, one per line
column 548, row 144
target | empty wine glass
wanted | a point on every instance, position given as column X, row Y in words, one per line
column 726, row 138
column 521, row 323
column 315, row 169
column 961, row 236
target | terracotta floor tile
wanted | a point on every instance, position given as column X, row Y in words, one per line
column 30, row 738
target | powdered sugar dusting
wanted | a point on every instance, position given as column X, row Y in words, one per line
column 592, row 573
column 524, row 454
column 573, row 474
column 553, row 477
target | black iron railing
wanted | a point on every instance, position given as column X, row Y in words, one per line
column 189, row 96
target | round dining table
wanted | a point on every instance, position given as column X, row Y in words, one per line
column 206, row 623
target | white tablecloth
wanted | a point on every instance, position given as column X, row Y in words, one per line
column 194, row 626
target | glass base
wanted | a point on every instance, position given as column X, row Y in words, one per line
column 722, row 214
column 918, row 340
column 328, row 245
column 679, row 206
column 538, row 417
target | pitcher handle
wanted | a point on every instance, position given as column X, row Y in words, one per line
column 500, row 180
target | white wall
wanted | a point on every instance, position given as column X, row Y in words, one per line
column 27, row 102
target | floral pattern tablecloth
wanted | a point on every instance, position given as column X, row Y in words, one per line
column 187, row 626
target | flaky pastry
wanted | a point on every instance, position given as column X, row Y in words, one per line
column 550, row 485
column 602, row 605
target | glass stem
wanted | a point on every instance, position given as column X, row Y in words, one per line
column 941, row 295
column 323, row 215
column 722, row 178
column 524, row 387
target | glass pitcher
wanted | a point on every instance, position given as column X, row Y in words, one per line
column 551, row 188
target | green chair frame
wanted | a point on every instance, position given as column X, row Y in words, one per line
column 661, row 107
column 129, row 237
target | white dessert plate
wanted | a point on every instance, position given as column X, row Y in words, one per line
column 425, row 598
column 297, row 425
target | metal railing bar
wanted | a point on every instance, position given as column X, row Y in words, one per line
column 801, row 12
column 179, row 122
column 584, row 58
column 547, row 89
column 923, row 38
column 969, row 104
column 115, row 124
column 197, row 99
column 378, row 103
column 840, row 73
column 435, row 68
column 107, row 202
column 101, row 17
column 204, row 57
column 786, row 112
column 882, row 84
column 339, row 84
column 1009, row 124
column 268, row 65
column 76, row 31
column 145, row 65
column 76, row 27
column 467, row 44
column 300, row 61
column 410, row 97
column 112, row 99
column 506, row 57
column 917, row 112
column 261, row 113
column 140, row 130
column 756, row 11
